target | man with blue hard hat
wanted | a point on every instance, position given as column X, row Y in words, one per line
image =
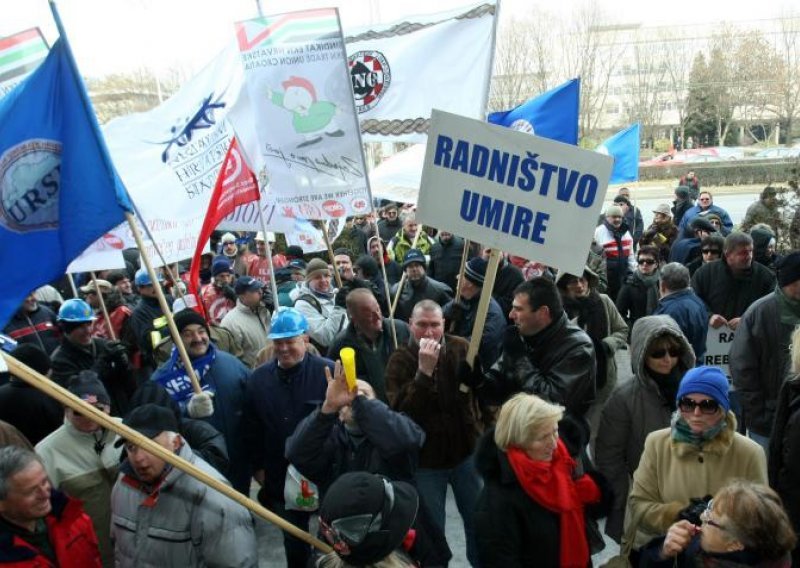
column 148, row 324
column 280, row 394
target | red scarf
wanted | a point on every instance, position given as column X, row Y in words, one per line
column 551, row 485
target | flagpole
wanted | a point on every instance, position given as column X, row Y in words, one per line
column 330, row 254
column 72, row 285
column 103, row 307
column 273, row 284
column 386, row 289
column 162, row 301
column 403, row 277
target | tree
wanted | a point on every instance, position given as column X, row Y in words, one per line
column 678, row 62
column 125, row 93
column 645, row 79
column 788, row 86
column 700, row 112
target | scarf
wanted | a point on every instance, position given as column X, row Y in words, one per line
column 550, row 484
column 667, row 384
column 177, row 382
column 650, row 282
column 788, row 308
column 590, row 314
column 682, row 432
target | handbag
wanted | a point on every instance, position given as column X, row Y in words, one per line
column 299, row 493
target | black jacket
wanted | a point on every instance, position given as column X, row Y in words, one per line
column 33, row 413
column 38, row 327
column 508, row 278
column 141, row 324
column 728, row 295
column 784, row 452
column 446, row 260
column 636, row 299
column 426, row 289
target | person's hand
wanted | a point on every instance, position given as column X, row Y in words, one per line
column 717, row 321
column 429, row 350
column 201, row 405
column 734, row 323
column 678, row 538
column 338, row 394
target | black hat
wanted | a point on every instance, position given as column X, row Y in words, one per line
column 414, row 255
column 187, row 317
column 475, row 270
column 788, row 268
column 86, row 386
column 247, row 284
column 220, row 266
column 701, row 224
column 150, row 420
column 682, row 191
column 33, row 356
column 294, row 251
column 622, row 199
column 392, row 504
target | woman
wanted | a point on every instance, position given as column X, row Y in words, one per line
column 660, row 356
column 743, row 525
column 662, row 232
column 696, row 456
column 711, row 247
column 638, row 296
column 531, row 509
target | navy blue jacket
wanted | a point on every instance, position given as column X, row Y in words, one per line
column 685, row 250
column 691, row 315
column 463, row 314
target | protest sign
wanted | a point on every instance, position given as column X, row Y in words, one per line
column 508, row 190
column 103, row 254
column 718, row 345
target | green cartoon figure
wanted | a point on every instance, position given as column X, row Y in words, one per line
column 310, row 117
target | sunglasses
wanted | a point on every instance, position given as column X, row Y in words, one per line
column 660, row 353
column 707, row 406
column 647, row 261
column 711, row 251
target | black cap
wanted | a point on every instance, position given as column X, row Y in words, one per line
column 293, row 251
column 247, row 284
column 87, row 386
column 150, row 420
column 701, row 224
column 414, row 255
column 188, row 316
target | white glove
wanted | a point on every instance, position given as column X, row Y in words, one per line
column 201, row 405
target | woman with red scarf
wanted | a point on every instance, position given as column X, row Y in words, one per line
column 531, row 509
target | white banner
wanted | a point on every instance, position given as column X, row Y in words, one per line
column 718, row 346
column 402, row 70
column 512, row 191
column 104, row 254
column 397, row 178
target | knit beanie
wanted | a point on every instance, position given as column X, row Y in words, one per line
column 614, row 211
column 788, row 269
column 189, row 317
column 220, row 266
column 316, row 266
column 87, row 386
column 475, row 271
column 710, row 381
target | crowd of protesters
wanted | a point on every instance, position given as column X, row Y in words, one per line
column 536, row 437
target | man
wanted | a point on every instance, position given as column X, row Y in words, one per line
column 710, row 250
column 218, row 296
column 728, row 286
column 418, row 286
column 461, row 314
column 760, row 354
column 287, row 279
column 344, row 264
column 371, row 336
column 165, row 517
column 682, row 203
column 446, row 253
column 633, row 215
column 765, row 210
column 705, row 206
column 691, row 181
column 40, row 526
column 279, row 395
column 400, row 245
column 222, row 379
column 119, row 313
column 393, row 270
column 679, row 301
column 688, row 248
column 81, row 460
column 390, row 224
column 616, row 242
column 367, row 269
column 148, row 324
column 79, row 351
column 249, row 320
column 119, row 280
column 34, row 323
column 315, row 300
column 258, row 266
column 236, row 257
column 507, row 279
column 422, row 381
column 543, row 354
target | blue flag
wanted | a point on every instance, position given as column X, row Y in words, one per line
column 624, row 148
column 58, row 189
column 552, row 115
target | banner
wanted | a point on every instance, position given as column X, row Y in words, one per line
column 718, row 346
column 103, row 254
column 402, row 70
column 518, row 193
column 624, row 148
column 20, row 54
column 303, row 113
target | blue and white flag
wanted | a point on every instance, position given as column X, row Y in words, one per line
column 552, row 115
column 624, row 148
column 58, row 189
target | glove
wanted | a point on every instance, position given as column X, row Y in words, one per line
column 113, row 361
column 693, row 511
column 229, row 294
column 471, row 377
column 267, row 300
column 201, row 405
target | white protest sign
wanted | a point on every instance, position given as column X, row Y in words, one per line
column 528, row 196
column 718, row 345
column 103, row 254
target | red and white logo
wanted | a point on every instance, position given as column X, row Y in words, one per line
column 359, row 204
column 371, row 78
column 333, row 208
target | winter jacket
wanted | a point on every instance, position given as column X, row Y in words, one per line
column 71, row 537
column 387, row 443
column 686, row 250
column 400, row 245
column 757, row 213
column 413, row 292
column 33, row 412
column 74, row 466
column 508, row 278
column 180, row 522
column 691, row 315
column 729, row 295
column 637, row 298
column 463, row 313
column 146, row 318
column 558, row 364
column 445, row 261
column 661, row 235
column 258, row 266
column 760, row 361
column 37, row 327
column 387, row 229
column 671, row 473
column 444, row 411
column 695, row 211
column 250, row 328
column 617, row 245
column 277, row 401
column 635, row 409
column 679, row 209
column 784, row 451
column 325, row 318
column 371, row 359
column 217, row 302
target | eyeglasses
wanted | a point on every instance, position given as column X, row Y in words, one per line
column 351, row 531
column 704, row 199
column 647, row 261
column 705, row 516
column 707, row 406
column 711, row 251
column 660, row 353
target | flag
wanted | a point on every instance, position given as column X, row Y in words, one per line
column 624, row 148
column 552, row 115
column 20, row 54
column 401, row 70
column 235, row 186
column 58, row 189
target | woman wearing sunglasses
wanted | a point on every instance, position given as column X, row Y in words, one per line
column 660, row 356
column 696, row 456
column 743, row 525
column 638, row 296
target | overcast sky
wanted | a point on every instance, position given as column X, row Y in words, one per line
column 120, row 35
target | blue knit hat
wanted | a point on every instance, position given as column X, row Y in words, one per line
column 710, row 381
column 220, row 265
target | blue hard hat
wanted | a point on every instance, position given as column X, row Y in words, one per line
column 142, row 278
column 75, row 311
column 288, row 322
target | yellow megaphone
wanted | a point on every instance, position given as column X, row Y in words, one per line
column 348, row 357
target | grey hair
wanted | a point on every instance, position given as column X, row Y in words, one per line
column 14, row 459
column 735, row 240
column 675, row 277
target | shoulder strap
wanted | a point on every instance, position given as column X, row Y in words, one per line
column 311, row 300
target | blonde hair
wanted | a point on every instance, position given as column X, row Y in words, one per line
column 394, row 560
column 521, row 417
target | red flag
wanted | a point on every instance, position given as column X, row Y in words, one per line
column 236, row 185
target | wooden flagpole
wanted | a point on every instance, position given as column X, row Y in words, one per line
column 330, row 254
column 483, row 305
column 103, row 306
